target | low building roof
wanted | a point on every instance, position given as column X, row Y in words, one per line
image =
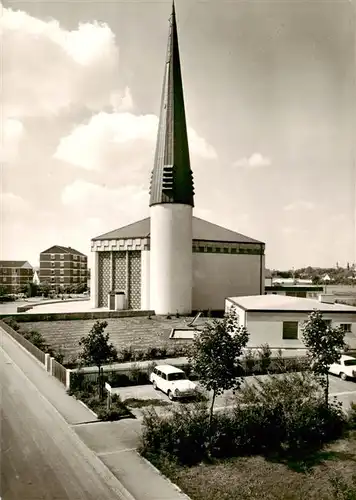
column 283, row 303
column 15, row 263
column 202, row 230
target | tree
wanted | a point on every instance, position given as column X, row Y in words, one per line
column 45, row 288
column 325, row 345
column 96, row 349
column 215, row 354
column 31, row 289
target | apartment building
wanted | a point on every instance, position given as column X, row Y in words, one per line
column 61, row 267
column 14, row 275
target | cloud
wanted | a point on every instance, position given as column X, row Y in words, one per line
column 299, row 205
column 95, row 202
column 121, row 101
column 199, row 146
column 256, row 160
column 293, row 230
column 119, row 140
column 47, row 69
column 13, row 205
column 12, row 133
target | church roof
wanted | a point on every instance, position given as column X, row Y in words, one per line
column 172, row 178
column 202, row 230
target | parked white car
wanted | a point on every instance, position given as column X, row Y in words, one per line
column 173, row 381
column 345, row 368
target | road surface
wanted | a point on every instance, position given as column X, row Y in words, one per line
column 41, row 456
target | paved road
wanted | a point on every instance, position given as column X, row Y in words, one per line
column 345, row 391
column 41, row 457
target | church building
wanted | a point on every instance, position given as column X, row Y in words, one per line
column 172, row 261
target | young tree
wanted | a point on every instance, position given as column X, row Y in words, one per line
column 324, row 344
column 215, row 353
column 96, row 349
column 45, row 288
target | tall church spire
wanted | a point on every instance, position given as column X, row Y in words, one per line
column 172, row 178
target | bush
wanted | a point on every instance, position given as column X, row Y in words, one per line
column 138, row 376
column 112, row 414
column 151, row 353
column 283, row 415
column 264, row 353
column 36, row 339
column 182, row 435
column 12, row 323
column 352, row 416
column 249, row 360
column 87, row 392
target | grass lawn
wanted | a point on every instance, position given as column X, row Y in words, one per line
column 140, row 333
column 256, row 478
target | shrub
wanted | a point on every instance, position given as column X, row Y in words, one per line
column 12, row 323
column 279, row 415
column 352, row 416
column 126, row 355
column 112, row 414
column 304, row 421
column 118, row 379
column 183, row 434
column 79, row 383
column 137, row 375
column 264, row 353
column 36, row 339
column 249, row 360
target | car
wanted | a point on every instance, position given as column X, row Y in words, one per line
column 345, row 368
column 173, row 381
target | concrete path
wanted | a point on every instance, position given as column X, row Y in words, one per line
column 344, row 391
column 95, row 448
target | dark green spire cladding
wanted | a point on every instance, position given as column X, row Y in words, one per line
column 172, row 178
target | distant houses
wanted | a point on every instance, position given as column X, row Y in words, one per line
column 14, row 275
column 62, row 267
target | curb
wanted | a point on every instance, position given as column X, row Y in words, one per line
column 176, row 487
column 87, row 407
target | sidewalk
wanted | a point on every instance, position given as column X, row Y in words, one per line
column 114, row 443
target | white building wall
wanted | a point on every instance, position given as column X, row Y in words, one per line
column 145, row 279
column 267, row 327
column 217, row 276
column 94, row 281
column 171, row 258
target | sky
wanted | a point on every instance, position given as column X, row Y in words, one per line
column 270, row 96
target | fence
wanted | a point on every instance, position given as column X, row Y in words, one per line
column 50, row 364
column 59, row 371
column 40, row 355
column 137, row 373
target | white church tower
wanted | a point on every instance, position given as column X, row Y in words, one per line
column 171, row 196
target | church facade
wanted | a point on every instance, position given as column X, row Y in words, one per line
column 172, row 261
